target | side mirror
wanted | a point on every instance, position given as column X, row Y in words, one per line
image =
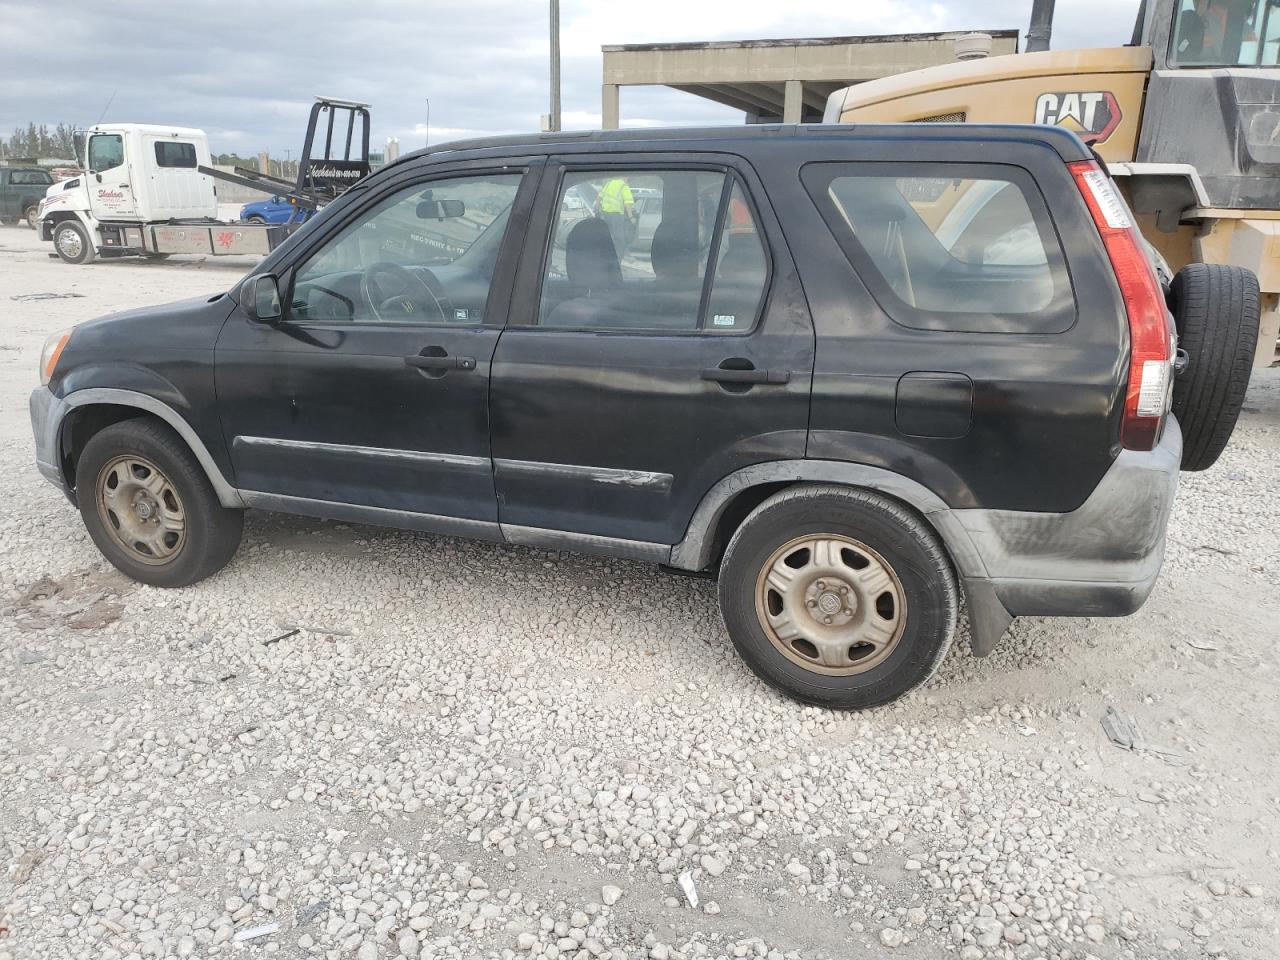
column 260, row 298
column 440, row 209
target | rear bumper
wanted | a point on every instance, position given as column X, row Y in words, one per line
column 1101, row 560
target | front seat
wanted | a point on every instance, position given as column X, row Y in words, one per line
column 590, row 259
column 591, row 262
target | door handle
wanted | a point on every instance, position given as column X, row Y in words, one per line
column 750, row 375
column 440, row 362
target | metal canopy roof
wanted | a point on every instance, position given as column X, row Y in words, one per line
column 773, row 80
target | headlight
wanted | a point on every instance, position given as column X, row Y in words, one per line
column 50, row 354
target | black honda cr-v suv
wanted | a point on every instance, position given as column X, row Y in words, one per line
column 857, row 372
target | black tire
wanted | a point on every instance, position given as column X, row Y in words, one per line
column 212, row 531
column 31, row 216
column 152, row 255
column 905, row 543
column 1216, row 309
column 256, row 219
column 84, row 252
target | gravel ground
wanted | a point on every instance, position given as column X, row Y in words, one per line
column 358, row 743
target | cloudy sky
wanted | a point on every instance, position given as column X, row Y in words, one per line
column 246, row 72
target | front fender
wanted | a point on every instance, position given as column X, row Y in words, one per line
column 160, row 399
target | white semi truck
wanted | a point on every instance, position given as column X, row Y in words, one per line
column 150, row 190
column 143, row 193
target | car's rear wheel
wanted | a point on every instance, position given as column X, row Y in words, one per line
column 32, row 216
column 150, row 508
column 838, row 597
column 1216, row 309
column 71, row 241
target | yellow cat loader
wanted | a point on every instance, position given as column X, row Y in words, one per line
column 1187, row 118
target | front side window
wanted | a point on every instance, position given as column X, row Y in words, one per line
column 962, row 252
column 175, row 153
column 106, row 150
column 426, row 254
column 661, row 250
column 1226, row 33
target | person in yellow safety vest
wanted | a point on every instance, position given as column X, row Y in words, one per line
column 617, row 207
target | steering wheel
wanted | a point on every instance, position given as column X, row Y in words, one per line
column 396, row 300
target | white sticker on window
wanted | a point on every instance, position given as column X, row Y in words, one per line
column 724, row 319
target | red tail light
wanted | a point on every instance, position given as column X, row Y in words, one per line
column 1151, row 335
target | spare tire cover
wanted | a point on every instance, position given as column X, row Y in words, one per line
column 1216, row 309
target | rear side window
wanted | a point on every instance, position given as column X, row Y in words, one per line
column 31, row 178
column 949, row 246
column 175, row 153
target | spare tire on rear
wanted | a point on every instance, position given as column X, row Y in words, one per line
column 1217, row 312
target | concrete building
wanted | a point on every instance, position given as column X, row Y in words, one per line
column 777, row 80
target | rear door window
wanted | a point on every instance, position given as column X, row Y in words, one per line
column 670, row 251
column 175, row 153
column 949, row 247
column 31, row 178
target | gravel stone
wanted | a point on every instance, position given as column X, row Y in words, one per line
column 463, row 743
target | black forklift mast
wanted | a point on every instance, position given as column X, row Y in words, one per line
column 320, row 178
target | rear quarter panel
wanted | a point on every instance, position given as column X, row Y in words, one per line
column 1045, row 407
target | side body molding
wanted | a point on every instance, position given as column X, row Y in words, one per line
column 228, row 496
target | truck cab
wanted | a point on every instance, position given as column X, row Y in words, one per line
column 136, row 176
column 21, row 189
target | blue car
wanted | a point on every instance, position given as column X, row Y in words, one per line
column 275, row 210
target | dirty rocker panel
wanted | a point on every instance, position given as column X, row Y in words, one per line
column 586, row 543
column 378, row 516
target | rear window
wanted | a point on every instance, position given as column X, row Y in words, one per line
column 175, row 153
column 970, row 250
column 30, row 177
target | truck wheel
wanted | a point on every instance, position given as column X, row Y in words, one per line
column 150, row 508
column 32, row 216
column 71, row 240
column 1216, row 309
column 838, row 597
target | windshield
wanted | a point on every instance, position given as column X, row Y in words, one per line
column 1226, row 33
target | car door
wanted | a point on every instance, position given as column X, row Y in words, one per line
column 110, row 190
column 638, row 371
column 368, row 399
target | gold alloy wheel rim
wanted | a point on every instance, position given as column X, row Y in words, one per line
column 830, row 604
column 141, row 510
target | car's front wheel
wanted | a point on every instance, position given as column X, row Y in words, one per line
column 72, row 242
column 150, row 508
column 256, row 219
column 838, row 597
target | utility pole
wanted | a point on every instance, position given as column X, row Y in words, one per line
column 426, row 127
column 1041, row 26
column 555, row 65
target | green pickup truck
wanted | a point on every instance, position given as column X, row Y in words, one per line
column 21, row 190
